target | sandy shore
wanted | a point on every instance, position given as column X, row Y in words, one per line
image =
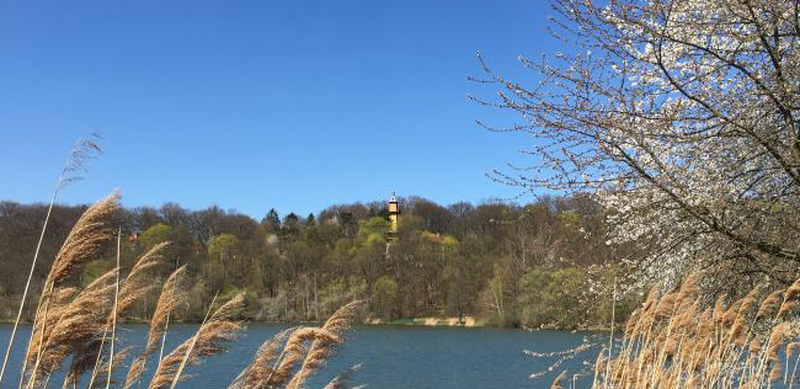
column 467, row 321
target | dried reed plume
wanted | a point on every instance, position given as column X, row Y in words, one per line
column 271, row 369
column 559, row 381
column 111, row 365
column 171, row 297
column 675, row 341
column 137, row 283
column 324, row 344
column 83, row 243
column 789, row 299
column 86, row 240
column 133, row 287
column 292, row 354
column 258, row 373
column 341, row 380
column 770, row 304
column 84, row 150
column 71, row 327
column 220, row 327
column 73, row 324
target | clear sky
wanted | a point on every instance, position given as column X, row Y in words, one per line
column 251, row 105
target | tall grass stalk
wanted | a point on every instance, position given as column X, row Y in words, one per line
column 114, row 315
column 132, row 288
column 193, row 344
column 169, row 299
column 84, row 242
column 76, row 161
column 163, row 339
column 323, row 346
column 677, row 340
column 613, row 321
column 27, row 286
column 72, row 324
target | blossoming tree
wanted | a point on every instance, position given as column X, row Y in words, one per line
column 683, row 117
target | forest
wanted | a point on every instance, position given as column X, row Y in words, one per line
column 538, row 265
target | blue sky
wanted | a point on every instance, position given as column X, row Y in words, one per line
column 251, row 105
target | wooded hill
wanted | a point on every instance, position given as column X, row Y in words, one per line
column 533, row 265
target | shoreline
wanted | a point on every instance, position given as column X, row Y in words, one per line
column 426, row 322
column 468, row 322
column 465, row 322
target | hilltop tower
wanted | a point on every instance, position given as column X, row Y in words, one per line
column 394, row 215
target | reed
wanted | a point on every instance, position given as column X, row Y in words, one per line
column 292, row 354
column 217, row 328
column 677, row 340
column 83, row 150
column 114, row 313
column 74, row 324
column 80, row 325
column 171, row 296
column 303, row 351
column 324, row 343
column 558, row 383
column 110, row 365
column 138, row 281
column 341, row 380
column 132, row 289
column 260, row 370
column 84, row 242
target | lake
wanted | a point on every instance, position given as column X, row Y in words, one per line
column 391, row 356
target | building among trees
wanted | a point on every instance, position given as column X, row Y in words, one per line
column 394, row 215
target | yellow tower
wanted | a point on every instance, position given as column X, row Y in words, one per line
column 394, row 214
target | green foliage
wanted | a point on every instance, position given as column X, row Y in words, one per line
column 449, row 242
column 198, row 297
column 410, row 223
column 339, row 292
column 384, row 296
column 215, row 275
column 497, row 300
column 221, row 247
column 223, row 267
column 569, row 219
column 600, row 312
column 553, row 298
column 372, row 230
column 229, row 293
column 94, row 269
column 155, row 235
column 256, row 278
column 455, row 261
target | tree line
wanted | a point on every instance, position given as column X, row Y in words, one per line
column 543, row 264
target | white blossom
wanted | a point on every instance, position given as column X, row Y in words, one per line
column 683, row 118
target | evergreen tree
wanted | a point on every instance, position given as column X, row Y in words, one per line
column 271, row 222
column 291, row 224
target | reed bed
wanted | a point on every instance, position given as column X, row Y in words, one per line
column 681, row 340
column 75, row 329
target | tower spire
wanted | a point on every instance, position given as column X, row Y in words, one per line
column 394, row 215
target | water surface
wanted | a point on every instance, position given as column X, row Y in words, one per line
column 391, row 356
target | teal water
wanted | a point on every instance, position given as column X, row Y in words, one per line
column 391, row 356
